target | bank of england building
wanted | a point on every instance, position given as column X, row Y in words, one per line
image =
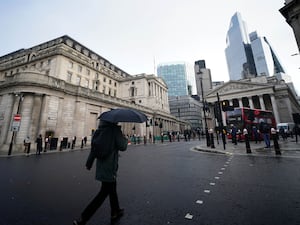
column 60, row 87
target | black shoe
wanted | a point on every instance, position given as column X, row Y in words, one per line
column 117, row 215
column 78, row 222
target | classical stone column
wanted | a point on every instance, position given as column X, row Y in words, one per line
column 10, row 100
column 240, row 102
column 275, row 109
column 251, row 103
column 262, row 104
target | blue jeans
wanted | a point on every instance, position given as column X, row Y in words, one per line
column 267, row 139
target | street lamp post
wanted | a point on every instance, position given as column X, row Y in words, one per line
column 221, row 121
column 20, row 95
column 204, row 109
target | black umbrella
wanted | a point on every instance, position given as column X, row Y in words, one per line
column 123, row 115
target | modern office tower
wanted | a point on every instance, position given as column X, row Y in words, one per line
column 202, row 74
column 187, row 108
column 266, row 61
column 238, row 52
column 249, row 55
column 179, row 77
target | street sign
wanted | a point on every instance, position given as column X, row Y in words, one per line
column 17, row 117
column 16, row 122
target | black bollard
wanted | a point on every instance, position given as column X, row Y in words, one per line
column 212, row 144
column 245, row 132
column 223, row 139
column 275, row 140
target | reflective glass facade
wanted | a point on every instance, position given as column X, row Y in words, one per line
column 179, row 78
column 239, row 58
column 249, row 55
column 266, row 61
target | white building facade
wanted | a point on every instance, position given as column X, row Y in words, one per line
column 61, row 87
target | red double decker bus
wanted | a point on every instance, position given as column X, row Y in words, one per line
column 248, row 118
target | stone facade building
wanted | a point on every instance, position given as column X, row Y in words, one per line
column 188, row 109
column 59, row 88
column 266, row 93
column 291, row 12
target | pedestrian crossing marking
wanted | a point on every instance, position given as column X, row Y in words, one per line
column 188, row 216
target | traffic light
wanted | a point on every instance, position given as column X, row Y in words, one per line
column 217, row 112
column 225, row 105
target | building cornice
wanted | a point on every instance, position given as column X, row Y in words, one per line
column 80, row 52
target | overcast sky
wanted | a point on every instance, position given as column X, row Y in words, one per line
column 135, row 35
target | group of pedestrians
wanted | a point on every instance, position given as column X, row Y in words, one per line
column 263, row 131
column 48, row 142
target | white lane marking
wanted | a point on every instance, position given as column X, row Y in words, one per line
column 217, row 178
column 199, row 202
column 212, row 184
column 220, row 172
column 207, row 191
column 222, row 168
column 188, row 216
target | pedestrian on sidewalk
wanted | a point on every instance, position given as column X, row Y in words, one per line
column 39, row 144
column 255, row 134
column 233, row 134
column 111, row 141
column 27, row 144
column 264, row 128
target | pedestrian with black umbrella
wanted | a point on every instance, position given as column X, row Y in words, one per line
column 107, row 141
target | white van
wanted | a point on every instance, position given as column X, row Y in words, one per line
column 287, row 127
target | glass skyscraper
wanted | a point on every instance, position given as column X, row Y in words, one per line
column 179, row 77
column 238, row 52
column 249, row 55
column 266, row 61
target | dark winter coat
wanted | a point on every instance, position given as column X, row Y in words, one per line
column 106, row 168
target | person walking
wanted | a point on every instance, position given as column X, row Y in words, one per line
column 39, row 143
column 233, row 134
column 112, row 141
column 264, row 128
column 27, row 144
column 255, row 134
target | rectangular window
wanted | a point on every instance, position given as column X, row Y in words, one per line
column 79, row 68
column 78, row 79
column 71, row 64
column 86, row 83
column 69, row 76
